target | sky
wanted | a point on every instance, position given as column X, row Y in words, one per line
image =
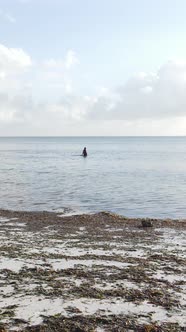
column 92, row 67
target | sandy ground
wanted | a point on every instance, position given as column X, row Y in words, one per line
column 99, row 272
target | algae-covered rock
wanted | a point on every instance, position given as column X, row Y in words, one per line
column 146, row 223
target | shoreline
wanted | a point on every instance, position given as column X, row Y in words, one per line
column 95, row 272
column 68, row 213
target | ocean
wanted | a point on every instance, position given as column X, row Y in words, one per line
column 132, row 176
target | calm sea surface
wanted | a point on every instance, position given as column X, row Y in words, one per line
column 133, row 176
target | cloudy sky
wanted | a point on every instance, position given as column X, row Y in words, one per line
column 92, row 67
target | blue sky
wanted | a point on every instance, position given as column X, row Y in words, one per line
column 79, row 59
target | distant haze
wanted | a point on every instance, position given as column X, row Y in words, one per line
column 78, row 67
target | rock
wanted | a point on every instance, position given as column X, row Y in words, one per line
column 146, row 223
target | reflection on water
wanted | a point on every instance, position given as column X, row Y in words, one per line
column 132, row 176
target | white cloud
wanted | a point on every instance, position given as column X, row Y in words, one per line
column 67, row 62
column 72, row 107
column 68, row 87
column 146, row 96
column 71, row 59
column 53, row 64
column 13, row 91
column 13, row 60
column 148, row 102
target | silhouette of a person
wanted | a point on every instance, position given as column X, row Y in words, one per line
column 84, row 153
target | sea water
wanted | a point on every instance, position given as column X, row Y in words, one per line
column 132, row 176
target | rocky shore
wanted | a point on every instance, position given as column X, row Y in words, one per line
column 100, row 272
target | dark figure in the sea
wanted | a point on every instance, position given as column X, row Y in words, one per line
column 84, row 153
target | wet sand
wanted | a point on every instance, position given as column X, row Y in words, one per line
column 100, row 272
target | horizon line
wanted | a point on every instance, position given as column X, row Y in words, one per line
column 92, row 136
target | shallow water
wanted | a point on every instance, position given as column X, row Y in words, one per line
column 133, row 176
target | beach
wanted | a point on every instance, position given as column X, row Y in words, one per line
column 91, row 272
column 92, row 166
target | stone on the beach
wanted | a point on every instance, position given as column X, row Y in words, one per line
column 146, row 223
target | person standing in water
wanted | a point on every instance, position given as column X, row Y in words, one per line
column 84, row 153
